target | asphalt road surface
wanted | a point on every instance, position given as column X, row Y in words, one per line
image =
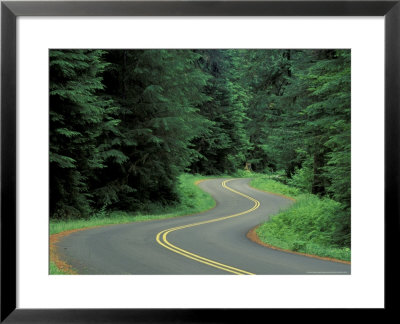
column 213, row 242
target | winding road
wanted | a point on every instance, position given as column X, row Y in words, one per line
column 213, row 242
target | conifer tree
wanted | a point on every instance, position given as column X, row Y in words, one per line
column 158, row 92
column 223, row 146
column 76, row 120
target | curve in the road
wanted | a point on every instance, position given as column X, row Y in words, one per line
column 161, row 237
column 193, row 245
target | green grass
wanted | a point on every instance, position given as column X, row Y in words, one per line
column 192, row 200
column 265, row 183
column 55, row 271
column 308, row 226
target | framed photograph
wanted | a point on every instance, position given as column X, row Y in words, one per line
column 272, row 124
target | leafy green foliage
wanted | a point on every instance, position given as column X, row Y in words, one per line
column 303, row 177
column 311, row 225
column 265, row 183
column 54, row 270
column 306, row 227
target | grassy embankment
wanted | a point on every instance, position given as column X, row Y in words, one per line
column 192, row 200
column 306, row 227
column 54, row 270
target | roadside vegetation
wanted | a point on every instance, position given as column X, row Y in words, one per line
column 267, row 183
column 54, row 270
column 192, row 200
column 312, row 225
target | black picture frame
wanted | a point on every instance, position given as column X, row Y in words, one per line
column 10, row 10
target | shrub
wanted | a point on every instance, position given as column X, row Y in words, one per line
column 311, row 225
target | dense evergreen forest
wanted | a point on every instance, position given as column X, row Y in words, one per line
column 124, row 124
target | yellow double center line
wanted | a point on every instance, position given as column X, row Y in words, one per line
column 162, row 236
